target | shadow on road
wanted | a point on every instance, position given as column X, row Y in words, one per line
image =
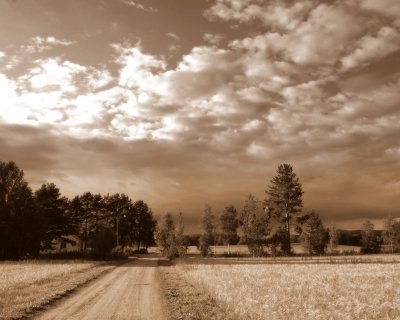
column 146, row 261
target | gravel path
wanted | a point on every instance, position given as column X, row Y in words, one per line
column 131, row 291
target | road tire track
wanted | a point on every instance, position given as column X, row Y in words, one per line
column 131, row 291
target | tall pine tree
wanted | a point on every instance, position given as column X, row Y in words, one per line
column 284, row 202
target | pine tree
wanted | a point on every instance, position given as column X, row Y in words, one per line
column 284, row 201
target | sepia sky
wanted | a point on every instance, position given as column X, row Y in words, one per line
column 182, row 103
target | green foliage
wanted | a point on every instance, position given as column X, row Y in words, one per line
column 284, row 202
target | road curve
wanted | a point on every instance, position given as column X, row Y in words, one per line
column 131, row 291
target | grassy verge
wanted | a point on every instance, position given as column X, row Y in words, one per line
column 300, row 291
column 186, row 301
column 26, row 287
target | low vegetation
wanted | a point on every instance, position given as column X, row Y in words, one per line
column 186, row 301
column 299, row 291
column 29, row 286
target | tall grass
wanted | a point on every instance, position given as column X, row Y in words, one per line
column 302, row 291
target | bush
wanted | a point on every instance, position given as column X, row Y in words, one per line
column 71, row 255
column 140, row 251
column 103, row 242
column 203, row 246
column 118, row 253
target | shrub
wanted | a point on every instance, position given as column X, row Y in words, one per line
column 118, row 253
column 103, row 242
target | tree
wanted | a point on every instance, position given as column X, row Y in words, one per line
column 333, row 239
column 284, row 201
column 180, row 237
column 229, row 224
column 118, row 206
column 143, row 228
column 208, row 238
column 391, row 234
column 313, row 235
column 19, row 219
column 53, row 209
column 88, row 213
column 166, row 238
column 254, row 223
column 370, row 241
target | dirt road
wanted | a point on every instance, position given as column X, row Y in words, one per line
column 129, row 292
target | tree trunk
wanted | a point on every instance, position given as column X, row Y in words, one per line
column 288, row 247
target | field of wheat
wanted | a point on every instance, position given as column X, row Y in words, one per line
column 301, row 291
column 26, row 286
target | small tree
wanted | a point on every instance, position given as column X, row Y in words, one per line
column 229, row 224
column 391, row 234
column 333, row 239
column 180, row 237
column 284, row 201
column 370, row 242
column 208, row 238
column 313, row 235
column 254, row 222
column 166, row 237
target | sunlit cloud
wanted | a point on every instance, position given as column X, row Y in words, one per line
column 140, row 6
column 312, row 83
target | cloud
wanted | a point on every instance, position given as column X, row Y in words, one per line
column 137, row 67
column 242, row 103
column 214, row 39
column 139, row 6
column 372, row 48
column 173, row 36
column 390, row 8
column 39, row 44
column 54, row 73
column 281, row 15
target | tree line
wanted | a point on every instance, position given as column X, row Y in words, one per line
column 271, row 225
column 30, row 221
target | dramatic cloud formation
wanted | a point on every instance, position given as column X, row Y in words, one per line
column 314, row 83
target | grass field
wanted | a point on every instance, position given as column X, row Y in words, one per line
column 298, row 290
column 28, row 286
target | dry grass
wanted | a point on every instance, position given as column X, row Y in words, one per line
column 301, row 291
column 188, row 302
column 29, row 286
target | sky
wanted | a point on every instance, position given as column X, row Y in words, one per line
column 182, row 103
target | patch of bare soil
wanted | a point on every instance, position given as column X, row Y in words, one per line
column 130, row 291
